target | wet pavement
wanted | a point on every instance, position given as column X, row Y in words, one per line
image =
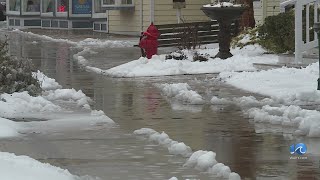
column 134, row 103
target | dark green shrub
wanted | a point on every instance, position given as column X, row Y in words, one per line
column 16, row 75
column 277, row 33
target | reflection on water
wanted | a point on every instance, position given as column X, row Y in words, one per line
column 135, row 103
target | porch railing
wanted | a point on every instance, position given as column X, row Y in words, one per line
column 300, row 45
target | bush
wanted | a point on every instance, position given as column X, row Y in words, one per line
column 248, row 36
column 16, row 75
column 277, row 33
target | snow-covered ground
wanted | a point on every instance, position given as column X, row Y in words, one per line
column 14, row 167
column 53, row 106
column 289, row 90
column 242, row 60
column 204, row 161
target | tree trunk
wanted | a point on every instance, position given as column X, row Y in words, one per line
column 247, row 18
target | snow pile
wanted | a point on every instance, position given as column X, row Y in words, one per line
column 173, row 178
column 67, row 122
column 14, row 167
column 20, row 104
column 174, row 147
column 223, row 4
column 246, row 39
column 106, row 43
column 44, row 37
column 200, row 160
column 45, row 82
column 306, row 121
column 219, row 101
column 242, row 60
column 8, row 128
column 244, row 102
column 288, row 85
column 70, row 95
column 85, row 42
column 181, row 92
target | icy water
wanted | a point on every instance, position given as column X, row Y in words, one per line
column 115, row 153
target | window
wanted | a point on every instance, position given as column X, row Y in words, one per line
column 109, row 2
column 61, row 5
column 31, row 6
column 14, row 5
column 47, row 6
column 116, row 3
column 124, row 2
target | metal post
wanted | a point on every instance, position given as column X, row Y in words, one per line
column 319, row 59
column 317, row 30
column 298, row 34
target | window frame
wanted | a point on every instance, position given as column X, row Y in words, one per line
column 61, row 14
column 24, row 5
column 118, row 3
column 47, row 14
column 18, row 12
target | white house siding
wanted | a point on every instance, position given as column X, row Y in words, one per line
column 270, row 8
column 165, row 14
column 257, row 6
column 129, row 22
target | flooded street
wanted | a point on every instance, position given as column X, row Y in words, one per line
column 134, row 103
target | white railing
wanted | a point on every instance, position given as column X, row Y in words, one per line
column 300, row 45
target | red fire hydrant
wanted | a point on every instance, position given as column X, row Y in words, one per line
column 149, row 41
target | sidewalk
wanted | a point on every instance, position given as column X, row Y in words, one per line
column 289, row 61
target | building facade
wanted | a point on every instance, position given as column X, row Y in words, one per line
column 114, row 16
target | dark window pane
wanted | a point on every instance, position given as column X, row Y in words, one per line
column 82, row 24
column 54, row 24
column 63, row 24
column 34, row 22
column 46, row 23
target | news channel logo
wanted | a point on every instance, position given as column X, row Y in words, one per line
column 299, row 149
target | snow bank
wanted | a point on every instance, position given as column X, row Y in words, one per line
column 14, row 167
column 67, row 122
column 174, row 147
column 106, row 43
column 200, row 160
column 44, row 37
column 289, row 85
column 288, row 88
column 242, row 60
column 306, row 122
column 219, row 101
column 70, row 95
column 45, row 82
column 181, row 92
column 270, row 112
column 19, row 104
column 85, row 42
column 173, row 178
column 8, row 128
